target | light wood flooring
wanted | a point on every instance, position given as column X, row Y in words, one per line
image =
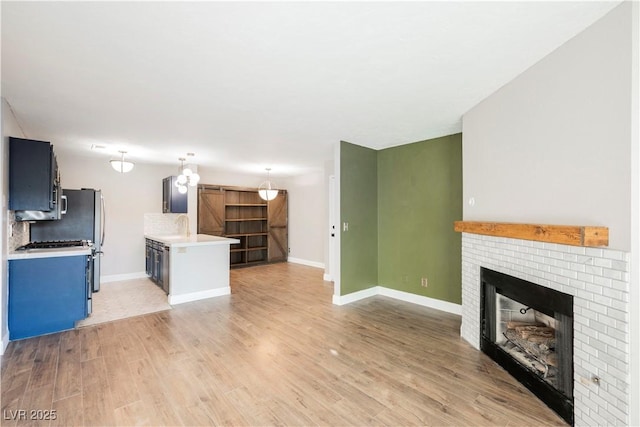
column 274, row 352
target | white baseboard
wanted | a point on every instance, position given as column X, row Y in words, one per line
column 195, row 296
column 306, row 262
column 445, row 306
column 355, row 296
column 4, row 343
column 327, row 277
column 121, row 277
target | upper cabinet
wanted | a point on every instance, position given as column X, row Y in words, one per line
column 34, row 181
column 172, row 200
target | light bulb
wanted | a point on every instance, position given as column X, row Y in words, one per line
column 181, row 180
column 268, row 194
column 187, row 172
column 182, row 189
column 194, row 178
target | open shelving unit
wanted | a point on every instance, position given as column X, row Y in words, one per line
column 240, row 213
column 245, row 217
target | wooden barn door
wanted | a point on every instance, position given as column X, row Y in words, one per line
column 278, row 234
column 211, row 211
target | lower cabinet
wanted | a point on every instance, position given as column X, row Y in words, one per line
column 46, row 295
column 157, row 263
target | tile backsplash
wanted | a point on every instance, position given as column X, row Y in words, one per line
column 162, row 224
column 20, row 234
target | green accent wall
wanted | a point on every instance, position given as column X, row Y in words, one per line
column 359, row 208
column 401, row 203
column 419, row 198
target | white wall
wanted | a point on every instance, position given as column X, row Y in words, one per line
column 9, row 127
column 553, row 145
column 634, row 324
column 216, row 177
column 308, row 219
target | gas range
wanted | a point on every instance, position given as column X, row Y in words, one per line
column 56, row 244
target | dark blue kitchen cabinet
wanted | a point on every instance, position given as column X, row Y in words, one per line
column 172, row 200
column 34, row 180
column 46, row 295
column 157, row 263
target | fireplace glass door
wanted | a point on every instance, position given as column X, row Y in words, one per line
column 528, row 330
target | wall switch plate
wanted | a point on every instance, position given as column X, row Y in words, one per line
column 424, row 282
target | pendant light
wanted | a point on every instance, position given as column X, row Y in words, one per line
column 266, row 190
column 186, row 177
column 121, row 165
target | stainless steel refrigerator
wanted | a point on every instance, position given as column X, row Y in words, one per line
column 84, row 220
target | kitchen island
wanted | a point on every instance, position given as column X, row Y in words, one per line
column 198, row 266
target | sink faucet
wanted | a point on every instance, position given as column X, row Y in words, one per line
column 185, row 222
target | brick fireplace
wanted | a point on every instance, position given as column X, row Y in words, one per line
column 598, row 281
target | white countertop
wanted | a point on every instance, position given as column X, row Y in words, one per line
column 48, row 253
column 193, row 240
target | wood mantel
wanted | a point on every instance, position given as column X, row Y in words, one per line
column 574, row 235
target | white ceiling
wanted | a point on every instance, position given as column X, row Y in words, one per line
column 251, row 85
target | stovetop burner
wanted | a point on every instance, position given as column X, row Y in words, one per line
column 56, row 244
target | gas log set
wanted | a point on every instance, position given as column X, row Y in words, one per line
column 533, row 344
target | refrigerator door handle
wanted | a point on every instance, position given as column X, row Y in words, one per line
column 102, row 220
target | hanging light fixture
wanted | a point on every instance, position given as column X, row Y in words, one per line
column 266, row 190
column 186, row 177
column 121, row 165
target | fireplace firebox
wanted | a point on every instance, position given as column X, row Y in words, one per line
column 528, row 330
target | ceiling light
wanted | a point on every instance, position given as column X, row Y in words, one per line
column 186, row 176
column 121, row 165
column 266, row 190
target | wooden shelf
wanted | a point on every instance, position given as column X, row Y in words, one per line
column 574, row 235
column 245, row 234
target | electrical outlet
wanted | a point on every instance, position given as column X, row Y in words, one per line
column 424, row 282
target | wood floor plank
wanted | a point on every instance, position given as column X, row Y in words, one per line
column 153, row 393
column 36, row 404
column 13, row 388
column 274, row 352
column 45, row 363
column 89, row 343
column 134, row 414
column 97, row 403
column 68, row 412
column 20, row 356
